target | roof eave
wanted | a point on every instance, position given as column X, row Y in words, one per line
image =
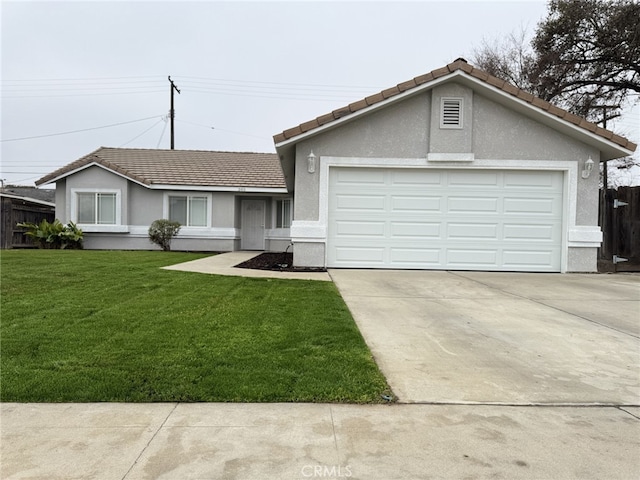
column 84, row 167
column 218, row 188
column 608, row 148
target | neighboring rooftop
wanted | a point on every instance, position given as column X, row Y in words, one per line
column 459, row 65
column 31, row 193
column 195, row 168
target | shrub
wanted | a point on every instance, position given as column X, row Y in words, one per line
column 54, row 235
column 162, row 231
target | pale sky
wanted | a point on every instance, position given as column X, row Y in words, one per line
column 247, row 69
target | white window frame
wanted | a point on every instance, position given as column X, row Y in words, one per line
column 460, row 123
column 209, row 197
column 96, row 227
column 275, row 212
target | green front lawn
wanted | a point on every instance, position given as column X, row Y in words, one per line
column 91, row 326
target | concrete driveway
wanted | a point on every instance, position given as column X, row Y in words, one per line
column 500, row 338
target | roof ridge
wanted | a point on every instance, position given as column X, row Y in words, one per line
column 458, row 65
column 183, row 150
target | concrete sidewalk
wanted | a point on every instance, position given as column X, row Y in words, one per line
column 301, row 441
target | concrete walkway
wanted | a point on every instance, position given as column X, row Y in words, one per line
column 453, row 438
column 224, row 264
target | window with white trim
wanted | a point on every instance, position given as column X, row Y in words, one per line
column 97, row 208
column 451, row 112
column 189, row 210
column 283, row 213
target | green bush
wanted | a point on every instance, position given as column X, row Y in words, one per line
column 162, row 231
column 54, row 235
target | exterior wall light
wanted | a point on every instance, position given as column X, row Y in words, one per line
column 588, row 167
column 311, row 163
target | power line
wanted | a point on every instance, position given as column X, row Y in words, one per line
column 284, row 84
column 77, row 131
column 82, row 94
column 141, row 134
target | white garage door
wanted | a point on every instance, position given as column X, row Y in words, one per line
column 507, row 220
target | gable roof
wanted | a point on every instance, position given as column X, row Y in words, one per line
column 463, row 71
column 183, row 168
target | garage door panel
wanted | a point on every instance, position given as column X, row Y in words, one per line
column 473, row 204
column 411, row 177
column 528, row 206
column 416, row 230
column 361, row 202
column 472, row 230
column 360, row 229
column 472, row 257
column 403, row 203
column 373, row 177
column 360, row 254
column 531, row 180
column 422, row 257
column 530, row 232
column 466, row 178
column 530, row 259
column 445, row 219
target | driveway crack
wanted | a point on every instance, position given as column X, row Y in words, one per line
column 627, row 411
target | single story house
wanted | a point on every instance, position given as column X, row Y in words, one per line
column 224, row 201
column 454, row 169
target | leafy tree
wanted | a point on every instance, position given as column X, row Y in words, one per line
column 585, row 57
column 588, row 56
column 162, row 231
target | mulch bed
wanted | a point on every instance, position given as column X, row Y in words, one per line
column 279, row 262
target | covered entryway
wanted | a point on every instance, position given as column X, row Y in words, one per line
column 453, row 219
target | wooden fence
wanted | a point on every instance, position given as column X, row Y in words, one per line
column 620, row 223
column 14, row 211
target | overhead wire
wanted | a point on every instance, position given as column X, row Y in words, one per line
column 163, row 130
column 141, row 134
column 76, row 131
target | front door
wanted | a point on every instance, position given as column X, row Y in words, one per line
column 253, row 214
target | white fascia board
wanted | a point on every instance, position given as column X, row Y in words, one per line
column 93, row 164
column 476, row 81
column 214, row 188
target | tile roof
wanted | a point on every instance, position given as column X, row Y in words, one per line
column 456, row 66
column 196, row 168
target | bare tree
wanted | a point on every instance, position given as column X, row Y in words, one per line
column 510, row 59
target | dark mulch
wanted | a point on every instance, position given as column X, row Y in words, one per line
column 280, row 262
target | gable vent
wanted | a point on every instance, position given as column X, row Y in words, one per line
column 451, row 113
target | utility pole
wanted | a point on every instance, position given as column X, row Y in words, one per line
column 172, row 112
